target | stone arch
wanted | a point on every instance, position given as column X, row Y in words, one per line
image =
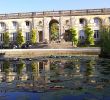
column 67, row 22
column 28, row 24
column 40, row 23
column 56, row 24
column 67, row 36
column 107, row 20
column 3, row 25
column 98, row 20
column 83, row 21
column 98, row 23
column 15, row 24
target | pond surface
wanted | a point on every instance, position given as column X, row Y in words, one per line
column 63, row 78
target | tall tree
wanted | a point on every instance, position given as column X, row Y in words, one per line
column 6, row 39
column 105, row 40
column 89, row 35
column 33, row 36
column 74, row 36
column 20, row 38
column 54, row 29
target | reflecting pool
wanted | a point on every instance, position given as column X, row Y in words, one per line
column 59, row 78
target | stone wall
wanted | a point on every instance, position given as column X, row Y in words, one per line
column 48, row 52
column 66, row 19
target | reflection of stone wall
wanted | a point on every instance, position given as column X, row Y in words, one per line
column 55, row 70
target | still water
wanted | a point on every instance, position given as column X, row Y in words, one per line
column 62, row 78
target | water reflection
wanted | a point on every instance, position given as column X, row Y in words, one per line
column 57, row 78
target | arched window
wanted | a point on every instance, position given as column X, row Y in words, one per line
column 28, row 24
column 81, row 34
column 67, row 22
column 82, row 21
column 96, row 34
column 1, row 37
column 2, row 25
column 54, row 30
column 40, row 23
column 15, row 24
column 97, row 21
column 109, row 19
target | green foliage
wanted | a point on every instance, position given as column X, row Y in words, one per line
column 33, row 36
column 6, row 38
column 54, row 29
column 89, row 35
column 105, row 39
column 34, row 66
column 89, row 67
column 20, row 66
column 20, row 38
column 74, row 36
column 6, row 65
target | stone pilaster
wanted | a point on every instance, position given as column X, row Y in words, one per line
column 61, row 27
column 45, row 30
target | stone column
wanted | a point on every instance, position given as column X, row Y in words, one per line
column 61, row 30
column 47, row 71
column 33, row 21
column 46, row 30
column 71, row 22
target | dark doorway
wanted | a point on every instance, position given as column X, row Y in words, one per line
column 67, row 36
column 40, row 36
column 41, row 65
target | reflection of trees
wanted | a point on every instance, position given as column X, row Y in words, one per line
column 70, row 67
column 20, row 66
column 33, row 66
column 65, row 68
column 89, row 68
column 105, row 67
column 54, row 67
column 35, row 69
column 6, row 66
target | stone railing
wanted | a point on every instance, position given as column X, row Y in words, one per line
column 55, row 13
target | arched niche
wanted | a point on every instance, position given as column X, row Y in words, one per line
column 53, row 30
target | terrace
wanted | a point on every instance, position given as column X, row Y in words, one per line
column 104, row 11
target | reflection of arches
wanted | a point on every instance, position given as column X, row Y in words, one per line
column 83, row 21
column 53, row 23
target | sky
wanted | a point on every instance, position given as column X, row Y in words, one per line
column 15, row 6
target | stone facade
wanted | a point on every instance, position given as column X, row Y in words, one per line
column 65, row 19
